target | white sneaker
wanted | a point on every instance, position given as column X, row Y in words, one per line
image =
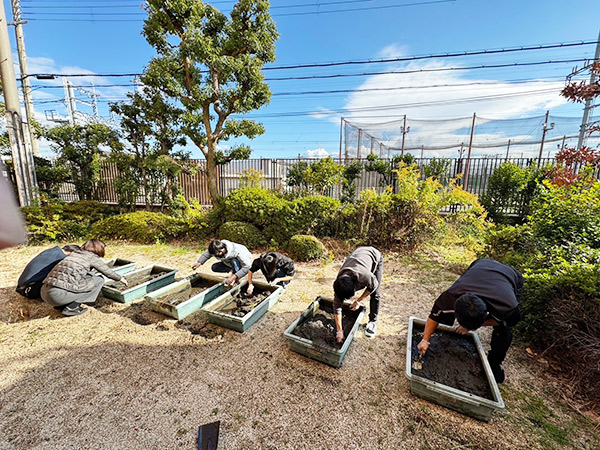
column 371, row 330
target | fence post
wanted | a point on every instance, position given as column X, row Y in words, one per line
column 466, row 177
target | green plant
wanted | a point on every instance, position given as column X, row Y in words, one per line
column 251, row 178
column 317, row 177
column 141, row 226
column 243, row 233
column 350, row 173
column 436, row 168
column 305, row 248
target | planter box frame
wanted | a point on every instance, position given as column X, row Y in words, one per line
column 461, row 401
column 306, row 347
column 191, row 305
column 136, row 292
column 241, row 324
column 125, row 266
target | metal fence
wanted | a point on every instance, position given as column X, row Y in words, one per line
column 274, row 172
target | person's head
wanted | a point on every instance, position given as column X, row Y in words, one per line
column 94, row 246
column 470, row 311
column 343, row 287
column 269, row 263
column 217, row 248
column 70, row 248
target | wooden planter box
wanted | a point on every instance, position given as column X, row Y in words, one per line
column 216, row 315
column 133, row 293
column 196, row 302
column 306, row 347
column 461, row 401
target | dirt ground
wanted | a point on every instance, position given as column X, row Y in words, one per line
column 121, row 376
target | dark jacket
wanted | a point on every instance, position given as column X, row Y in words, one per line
column 498, row 285
column 74, row 272
column 30, row 281
column 283, row 263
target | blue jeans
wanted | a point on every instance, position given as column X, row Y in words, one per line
column 222, row 267
column 280, row 274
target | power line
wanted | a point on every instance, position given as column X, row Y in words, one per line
column 312, row 77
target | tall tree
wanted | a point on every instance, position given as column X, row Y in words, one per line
column 211, row 64
column 81, row 149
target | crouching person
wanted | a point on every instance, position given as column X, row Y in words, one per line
column 277, row 269
column 363, row 269
column 71, row 283
column 234, row 259
column 487, row 294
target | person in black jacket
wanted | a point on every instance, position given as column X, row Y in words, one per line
column 31, row 280
column 487, row 294
column 277, row 269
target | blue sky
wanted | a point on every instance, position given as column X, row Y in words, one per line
column 378, row 28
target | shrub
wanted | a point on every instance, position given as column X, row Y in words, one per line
column 141, row 226
column 243, row 233
column 305, row 248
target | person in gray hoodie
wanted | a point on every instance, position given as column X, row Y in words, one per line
column 233, row 258
column 71, row 282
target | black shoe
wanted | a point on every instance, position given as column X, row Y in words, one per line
column 73, row 310
column 498, row 373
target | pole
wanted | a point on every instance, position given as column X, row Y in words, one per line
column 371, row 145
column 22, row 158
column 466, row 172
column 341, row 137
column 359, row 143
column 507, row 150
column 543, row 137
column 25, row 84
column 562, row 146
column 403, row 135
column 588, row 102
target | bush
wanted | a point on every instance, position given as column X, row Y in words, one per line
column 305, row 248
column 59, row 221
column 243, row 233
column 141, row 226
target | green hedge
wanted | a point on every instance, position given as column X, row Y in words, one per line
column 243, row 233
column 141, row 226
column 305, row 248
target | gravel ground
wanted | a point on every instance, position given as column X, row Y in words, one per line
column 125, row 377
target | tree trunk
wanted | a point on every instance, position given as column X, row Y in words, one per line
column 211, row 173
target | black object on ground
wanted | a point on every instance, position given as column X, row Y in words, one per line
column 208, row 436
column 452, row 360
column 321, row 330
column 246, row 303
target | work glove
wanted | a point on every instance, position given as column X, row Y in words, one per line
column 124, row 281
column 339, row 336
column 354, row 306
column 423, row 347
column 229, row 281
column 250, row 289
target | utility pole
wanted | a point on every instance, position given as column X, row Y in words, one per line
column 22, row 157
column 507, row 150
column 544, row 130
column 588, row 102
column 25, row 84
column 466, row 177
column 404, row 131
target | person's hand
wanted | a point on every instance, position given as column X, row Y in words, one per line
column 229, row 281
column 354, row 306
column 195, row 266
column 423, row 347
column 461, row 330
column 124, row 281
column 339, row 336
column 250, row 289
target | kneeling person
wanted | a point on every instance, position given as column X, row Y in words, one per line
column 487, row 294
column 277, row 269
column 363, row 269
column 233, row 258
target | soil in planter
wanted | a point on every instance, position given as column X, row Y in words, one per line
column 245, row 303
column 320, row 329
column 134, row 280
column 452, row 360
column 117, row 263
column 180, row 297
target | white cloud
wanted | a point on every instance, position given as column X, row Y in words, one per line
column 316, row 153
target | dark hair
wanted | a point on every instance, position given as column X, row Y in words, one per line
column 470, row 311
column 71, row 248
column 269, row 263
column 215, row 247
column 95, row 246
column 343, row 287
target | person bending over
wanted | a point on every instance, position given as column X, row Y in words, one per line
column 487, row 294
column 71, row 282
column 233, row 258
column 363, row 269
column 31, row 280
column 277, row 269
